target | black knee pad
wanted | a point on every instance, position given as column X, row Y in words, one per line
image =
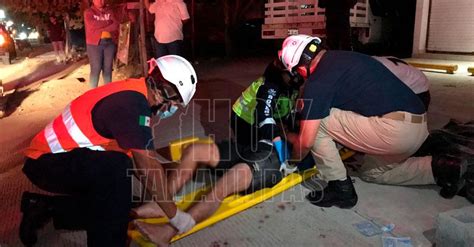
column 265, row 166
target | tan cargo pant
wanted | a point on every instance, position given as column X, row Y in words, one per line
column 389, row 144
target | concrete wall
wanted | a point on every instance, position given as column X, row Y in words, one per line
column 450, row 29
column 421, row 27
column 450, row 26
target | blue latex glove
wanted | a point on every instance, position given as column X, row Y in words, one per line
column 282, row 149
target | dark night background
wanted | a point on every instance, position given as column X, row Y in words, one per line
column 246, row 32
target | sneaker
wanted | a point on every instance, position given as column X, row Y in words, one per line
column 36, row 211
column 448, row 172
column 338, row 193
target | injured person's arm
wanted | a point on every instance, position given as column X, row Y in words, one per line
column 237, row 179
column 194, row 155
column 148, row 166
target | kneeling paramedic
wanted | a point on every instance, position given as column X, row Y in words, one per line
column 259, row 114
column 352, row 99
column 86, row 155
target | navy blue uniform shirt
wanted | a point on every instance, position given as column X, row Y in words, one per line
column 120, row 116
column 351, row 81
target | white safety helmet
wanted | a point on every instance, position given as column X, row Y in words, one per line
column 296, row 50
column 179, row 72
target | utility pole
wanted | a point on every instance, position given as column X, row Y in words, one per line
column 142, row 43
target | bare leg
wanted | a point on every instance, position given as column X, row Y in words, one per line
column 155, row 233
column 55, row 48
column 158, row 234
column 193, row 155
column 235, row 180
column 56, row 51
column 62, row 53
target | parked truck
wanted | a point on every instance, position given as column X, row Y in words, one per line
column 289, row 17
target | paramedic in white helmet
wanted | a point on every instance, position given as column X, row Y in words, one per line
column 352, row 99
column 86, row 155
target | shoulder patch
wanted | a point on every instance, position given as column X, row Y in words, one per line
column 144, row 121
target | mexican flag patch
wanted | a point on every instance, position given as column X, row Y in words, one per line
column 144, row 121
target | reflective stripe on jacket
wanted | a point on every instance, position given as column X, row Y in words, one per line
column 74, row 127
column 244, row 107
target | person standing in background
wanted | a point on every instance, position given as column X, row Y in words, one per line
column 169, row 18
column 338, row 26
column 75, row 24
column 56, row 35
column 102, row 28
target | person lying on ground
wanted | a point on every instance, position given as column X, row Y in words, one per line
column 243, row 170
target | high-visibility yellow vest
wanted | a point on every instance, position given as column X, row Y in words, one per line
column 244, row 106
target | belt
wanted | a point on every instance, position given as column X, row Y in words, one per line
column 406, row 116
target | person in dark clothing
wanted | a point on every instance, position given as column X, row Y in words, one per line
column 258, row 114
column 253, row 116
column 338, row 27
column 354, row 100
column 75, row 24
column 56, row 35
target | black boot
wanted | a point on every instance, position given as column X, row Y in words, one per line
column 448, row 172
column 338, row 193
column 37, row 211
